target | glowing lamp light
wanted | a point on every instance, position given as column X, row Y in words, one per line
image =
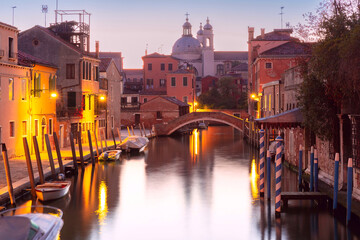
column 102, row 98
column 53, row 95
column 253, row 96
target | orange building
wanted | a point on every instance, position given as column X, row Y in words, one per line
column 181, row 85
column 156, row 66
column 270, row 55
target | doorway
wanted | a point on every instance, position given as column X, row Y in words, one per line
column 137, row 119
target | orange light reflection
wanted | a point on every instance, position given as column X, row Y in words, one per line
column 253, row 180
column 103, row 207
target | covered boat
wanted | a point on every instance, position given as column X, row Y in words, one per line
column 112, row 155
column 52, row 190
column 33, row 223
column 134, row 143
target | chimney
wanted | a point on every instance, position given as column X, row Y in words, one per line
column 262, row 33
column 97, row 49
column 251, row 33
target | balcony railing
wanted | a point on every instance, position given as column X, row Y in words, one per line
column 69, row 112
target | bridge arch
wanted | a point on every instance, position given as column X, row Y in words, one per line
column 172, row 126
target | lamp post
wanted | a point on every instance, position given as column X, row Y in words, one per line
column 102, row 98
column 256, row 98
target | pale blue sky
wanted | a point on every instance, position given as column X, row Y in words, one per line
column 127, row 26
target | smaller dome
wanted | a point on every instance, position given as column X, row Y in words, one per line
column 207, row 25
column 200, row 32
column 186, row 25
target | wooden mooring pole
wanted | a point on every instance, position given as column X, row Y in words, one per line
column 106, row 146
column 262, row 162
column 29, row 166
column 113, row 137
column 140, row 129
column 8, row 175
column 101, row 145
column 336, row 181
column 278, row 170
column 51, row 159
column 81, row 152
column 129, row 134
column 38, row 160
column 132, row 130
column 58, row 152
column 73, row 151
column 119, row 133
column 144, row 129
column 97, row 147
column 349, row 190
column 91, row 148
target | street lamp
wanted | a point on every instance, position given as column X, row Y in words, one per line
column 102, row 98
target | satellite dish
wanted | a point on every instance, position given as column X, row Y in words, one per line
column 44, row 8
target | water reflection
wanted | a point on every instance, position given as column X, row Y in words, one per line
column 202, row 186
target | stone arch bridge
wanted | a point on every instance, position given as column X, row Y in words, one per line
column 172, row 126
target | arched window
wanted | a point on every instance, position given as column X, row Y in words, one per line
column 220, row 69
column 207, row 42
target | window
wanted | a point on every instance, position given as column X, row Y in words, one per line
column 145, row 100
column 162, row 66
column 112, row 122
column 11, row 89
column 173, row 81
column 134, row 100
column 96, row 73
column 12, row 129
column 220, row 69
column 83, row 102
column 149, row 83
column 23, row 90
column 52, row 83
column 268, row 65
column 36, row 127
column 70, row 71
column 158, row 115
column 83, row 70
column 149, row 66
column 37, row 85
column 123, row 100
column 185, row 83
column 71, row 99
column 89, row 102
column 11, row 48
column 51, row 126
column 162, row 83
column 185, row 98
column 170, row 67
column 24, row 128
column 87, row 71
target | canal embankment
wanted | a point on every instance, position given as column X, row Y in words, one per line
column 19, row 172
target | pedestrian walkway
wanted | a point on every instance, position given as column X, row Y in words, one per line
column 19, row 171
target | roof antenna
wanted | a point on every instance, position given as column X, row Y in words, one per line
column 281, row 14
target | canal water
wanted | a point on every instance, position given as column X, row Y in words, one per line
column 202, row 186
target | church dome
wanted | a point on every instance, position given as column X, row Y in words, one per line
column 187, row 48
column 208, row 25
column 200, row 32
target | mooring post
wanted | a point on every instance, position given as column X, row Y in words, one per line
column 132, row 130
column 262, row 161
column 51, row 159
column 73, row 151
column 336, row 181
column 140, row 129
column 29, row 166
column 8, row 175
column 81, row 151
column 119, row 134
column 105, row 140
column 38, row 160
column 144, row 129
column 97, row 147
column 349, row 190
column 316, row 170
column 312, row 169
column 268, row 174
column 279, row 141
column 91, row 148
column 102, row 149
column 300, row 167
column 113, row 136
column 58, row 153
column 129, row 134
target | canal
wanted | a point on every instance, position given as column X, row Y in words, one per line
column 202, row 186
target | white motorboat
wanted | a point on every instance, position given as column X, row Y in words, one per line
column 52, row 190
column 202, row 125
column 33, row 223
column 111, row 155
column 134, row 143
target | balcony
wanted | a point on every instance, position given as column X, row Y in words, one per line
column 69, row 112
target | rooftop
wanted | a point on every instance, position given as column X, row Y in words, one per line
column 28, row 60
column 230, row 56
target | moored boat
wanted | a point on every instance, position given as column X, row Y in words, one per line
column 33, row 223
column 134, row 143
column 111, row 155
column 52, row 190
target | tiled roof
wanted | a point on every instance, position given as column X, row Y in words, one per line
column 289, row 48
column 152, row 92
column 9, row 26
column 277, row 35
column 176, row 101
column 156, row 55
column 291, row 116
column 133, row 71
column 241, row 67
column 104, row 64
column 52, row 34
column 28, row 60
column 230, row 56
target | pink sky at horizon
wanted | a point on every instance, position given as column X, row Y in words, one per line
column 130, row 26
